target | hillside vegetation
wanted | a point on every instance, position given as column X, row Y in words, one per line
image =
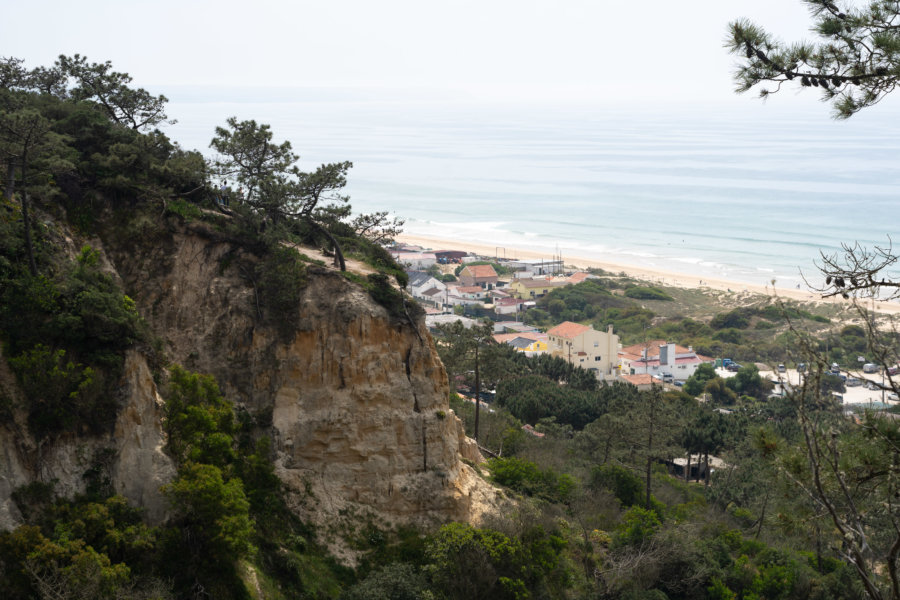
column 596, row 508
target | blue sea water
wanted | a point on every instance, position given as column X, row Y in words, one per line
column 748, row 197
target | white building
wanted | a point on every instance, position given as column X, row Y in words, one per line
column 418, row 261
column 660, row 358
column 420, row 282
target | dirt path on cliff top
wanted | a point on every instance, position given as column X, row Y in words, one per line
column 353, row 265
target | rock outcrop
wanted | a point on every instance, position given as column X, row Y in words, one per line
column 354, row 399
column 357, row 397
column 131, row 457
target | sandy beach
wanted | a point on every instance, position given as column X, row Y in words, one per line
column 662, row 277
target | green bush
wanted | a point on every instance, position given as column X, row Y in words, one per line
column 647, row 293
column 621, row 481
column 61, row 394
column 526, row 477
column 637, row 526
column 385, row 294
column 735, row 319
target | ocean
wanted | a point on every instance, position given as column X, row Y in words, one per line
column 749, row 196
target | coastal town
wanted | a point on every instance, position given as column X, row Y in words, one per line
column 457, row 285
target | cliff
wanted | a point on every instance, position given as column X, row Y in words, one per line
column 354, row 398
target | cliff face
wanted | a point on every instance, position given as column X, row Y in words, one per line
column 355, row 401
column 358, row 399
column 131, row 457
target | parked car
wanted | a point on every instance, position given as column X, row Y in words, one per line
column 801, row 367
column 872, row 386
column 893, row 397
column 853, row 382
column 733, row 367
column 893, row 370
column 871, row 368
column 781, row 368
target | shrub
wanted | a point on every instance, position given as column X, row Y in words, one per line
column 384, row 293
column 647, row 293
column 736, row 319
column 638, row 525
column 61, row 394
column 526, row 477
column 625, row 485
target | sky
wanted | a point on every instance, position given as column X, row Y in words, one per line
column 652, row 52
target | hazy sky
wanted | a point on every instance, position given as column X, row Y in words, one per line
column 650, row 51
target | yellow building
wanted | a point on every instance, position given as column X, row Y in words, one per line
column 585, row 347
column 527, row 289
column 528, row 342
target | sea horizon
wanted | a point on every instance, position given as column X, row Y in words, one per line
column 705, row 191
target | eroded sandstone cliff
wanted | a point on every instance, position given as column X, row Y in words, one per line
column 354, row 399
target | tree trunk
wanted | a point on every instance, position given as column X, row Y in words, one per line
column 650, row 453
column 10, row 180
column 338, row 255
column 649, row 465
column 762, row 516
column 687, row 470
column 706, row 475
column 477, row 392
column 29, row 247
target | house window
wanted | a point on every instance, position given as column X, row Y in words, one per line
column 596, row 344
column 598, row 358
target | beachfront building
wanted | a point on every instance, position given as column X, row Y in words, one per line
column 528, row 289
column 449, row 256
column 483, row 276
column 661, row 359
column 535, row 267
column 584, row 346
column 418, row 261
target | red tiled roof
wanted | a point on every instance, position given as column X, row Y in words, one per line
column 469, row 289
column 652, row 349
column 577, row 277
column 642, row 379
column 480, row 271
column 568, row 330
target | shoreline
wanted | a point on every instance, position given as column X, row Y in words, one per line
column 650, row 275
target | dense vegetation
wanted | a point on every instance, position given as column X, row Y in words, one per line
column 599, row 511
